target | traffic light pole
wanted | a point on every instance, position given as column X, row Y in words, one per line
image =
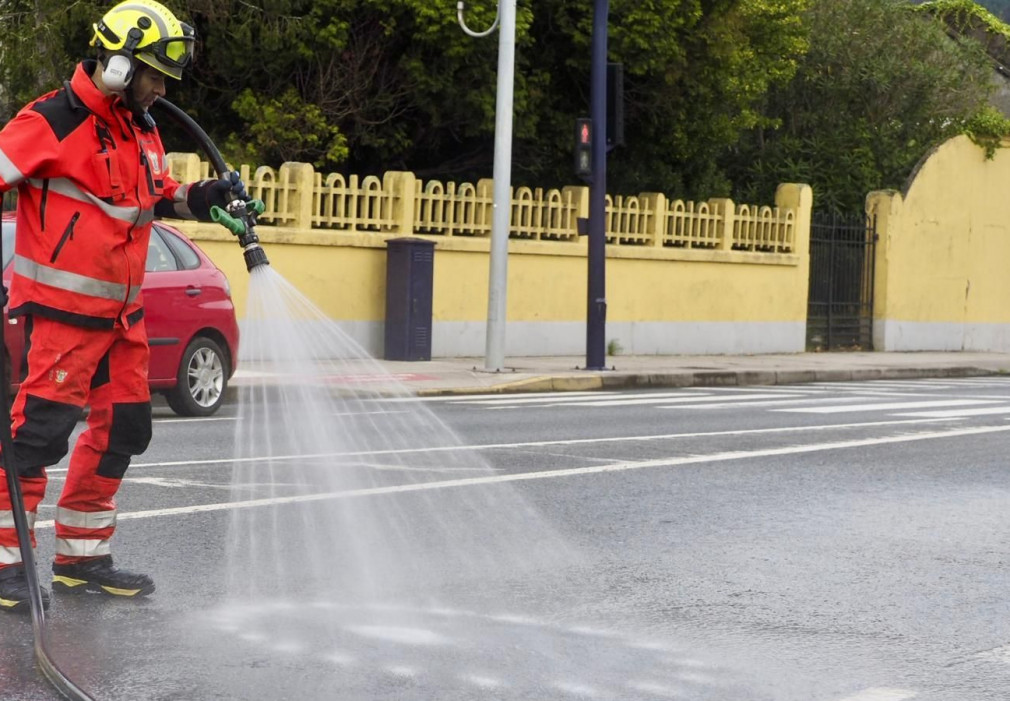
column 596, row 316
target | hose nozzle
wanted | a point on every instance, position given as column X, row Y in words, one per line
column 240, row 219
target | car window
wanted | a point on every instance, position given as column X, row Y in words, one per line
column 8, row 238
column 159, row 256
column 188, row 259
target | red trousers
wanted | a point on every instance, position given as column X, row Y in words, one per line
column 70, row 367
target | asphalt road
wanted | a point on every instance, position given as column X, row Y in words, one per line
column 792, row 543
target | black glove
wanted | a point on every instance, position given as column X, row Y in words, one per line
column 223, row 191
column 3, row 296
column 215, row 193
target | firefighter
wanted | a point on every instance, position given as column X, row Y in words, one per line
column 91, row 175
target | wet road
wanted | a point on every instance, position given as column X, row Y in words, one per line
column 791, row 543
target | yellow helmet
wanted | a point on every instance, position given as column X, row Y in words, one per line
column 148, row 31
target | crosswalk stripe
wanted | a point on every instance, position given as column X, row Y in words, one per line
column 762, row 403
column 681, row 399
column 881, row 694
column 562, row 397
column 891, row 406
column 981, row 411
column 496, row 395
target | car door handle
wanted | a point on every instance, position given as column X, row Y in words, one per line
column 193, row 291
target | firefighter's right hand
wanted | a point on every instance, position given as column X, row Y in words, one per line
column 3, row 296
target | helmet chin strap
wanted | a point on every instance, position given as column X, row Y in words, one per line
column 141, row 117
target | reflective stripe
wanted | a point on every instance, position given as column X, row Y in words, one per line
column 85, row 519
column 145, row 9
column 130, row 215
column 82, row 547
column 8, row 171
column 73, row 282
column 10, row 556
column 7, row 519
column 180, row 202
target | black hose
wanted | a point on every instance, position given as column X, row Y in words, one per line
column 57, row 678
column 251, row 250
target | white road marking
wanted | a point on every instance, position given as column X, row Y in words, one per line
column 763, row 403
column 526, row 444
column 552, row 400
column 679, row 399
column 981, row 411
column 614, row 467
column 174, row 482
column 200, row 419
column 496, row 395
column 890, row 406
column 881, row 694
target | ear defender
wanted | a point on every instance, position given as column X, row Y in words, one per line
column 118, row 72
column 119, row 67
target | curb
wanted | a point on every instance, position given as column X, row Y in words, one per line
column 728, row 378
column 609, row 380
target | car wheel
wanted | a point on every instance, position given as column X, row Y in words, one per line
column 201, row 380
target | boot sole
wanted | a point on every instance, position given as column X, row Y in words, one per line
column 23, row 606
column 72, row 585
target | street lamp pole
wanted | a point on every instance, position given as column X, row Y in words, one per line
column 494, row 353
column 596, row 316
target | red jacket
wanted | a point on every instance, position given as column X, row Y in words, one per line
column 88, row 179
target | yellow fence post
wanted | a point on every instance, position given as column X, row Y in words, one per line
column 885, row 208
column 579, row 195
column 184, row 167
column 655, row 203
column 301, row 181
column 401, row 190
column 725, row 208
column 485, row 193
column 800, row 199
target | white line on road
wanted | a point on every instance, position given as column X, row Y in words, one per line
column 526, row 444
column 763, row 403
column 891, row 406
column 511, row 399
column 620, row 466
column 496, row 395
column 680, row 399
column 882, row 695
column 980, row 411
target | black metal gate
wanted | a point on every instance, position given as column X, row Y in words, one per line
column 840, row 303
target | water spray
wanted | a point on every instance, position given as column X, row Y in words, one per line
column 239, row 217
column 52, row 673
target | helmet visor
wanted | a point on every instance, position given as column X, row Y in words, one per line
column 172, row 54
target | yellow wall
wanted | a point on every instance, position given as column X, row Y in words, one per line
column 660, row 300
column 942, row 257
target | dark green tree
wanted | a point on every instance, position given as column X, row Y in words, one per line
column 879, row 87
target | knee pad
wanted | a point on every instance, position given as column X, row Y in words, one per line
column 129, row 435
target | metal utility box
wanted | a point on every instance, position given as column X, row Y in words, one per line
column 410, row 267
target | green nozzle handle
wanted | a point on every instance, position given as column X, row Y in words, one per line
column 235, row 226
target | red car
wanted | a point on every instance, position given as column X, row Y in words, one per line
column 190, row 317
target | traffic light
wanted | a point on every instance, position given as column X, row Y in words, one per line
column 584, row 147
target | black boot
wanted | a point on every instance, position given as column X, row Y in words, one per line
column 14, row 590
column 100, row 576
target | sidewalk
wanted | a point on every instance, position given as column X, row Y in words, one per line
column 448, row 376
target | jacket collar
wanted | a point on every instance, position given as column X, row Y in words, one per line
column 87, row 93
